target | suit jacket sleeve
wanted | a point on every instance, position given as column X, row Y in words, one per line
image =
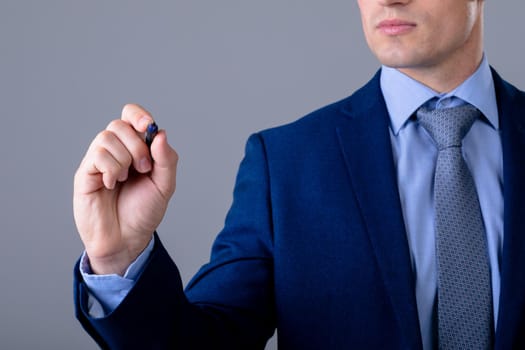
column 229, row 304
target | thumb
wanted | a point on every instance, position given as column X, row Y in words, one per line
column 165, row 158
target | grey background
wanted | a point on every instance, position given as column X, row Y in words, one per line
column 211, row 72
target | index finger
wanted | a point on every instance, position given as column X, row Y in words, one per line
column 137, row 116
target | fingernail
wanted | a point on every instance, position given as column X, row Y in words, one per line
column 145, row 121
column 144, row 165
column 123, row 176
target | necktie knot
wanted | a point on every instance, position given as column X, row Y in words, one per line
column 448, row 126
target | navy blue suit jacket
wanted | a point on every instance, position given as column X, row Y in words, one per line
column 315, row 245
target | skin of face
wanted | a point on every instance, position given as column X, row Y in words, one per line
column 437, row 42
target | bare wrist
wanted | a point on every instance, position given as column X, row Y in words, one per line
column 115, row 265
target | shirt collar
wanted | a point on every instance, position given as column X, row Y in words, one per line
column 404, row 95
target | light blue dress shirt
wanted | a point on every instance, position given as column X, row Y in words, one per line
column 106, row 292
column 414, row 155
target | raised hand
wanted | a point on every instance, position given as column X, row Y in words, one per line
column 121, row 193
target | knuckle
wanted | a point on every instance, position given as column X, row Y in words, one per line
column 114, row 124
column 104, row 137
column 103, row 140
column 130, row 109
column 99, row 154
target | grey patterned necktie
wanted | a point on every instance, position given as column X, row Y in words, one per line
column 464, row 288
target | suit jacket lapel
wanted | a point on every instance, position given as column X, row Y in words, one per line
column 510, row 323
column 364, row 138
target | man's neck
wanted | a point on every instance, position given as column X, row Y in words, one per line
column 445, row 79
column 441, row 81
column 449, row 73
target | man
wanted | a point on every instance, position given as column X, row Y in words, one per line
column 338, row 232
